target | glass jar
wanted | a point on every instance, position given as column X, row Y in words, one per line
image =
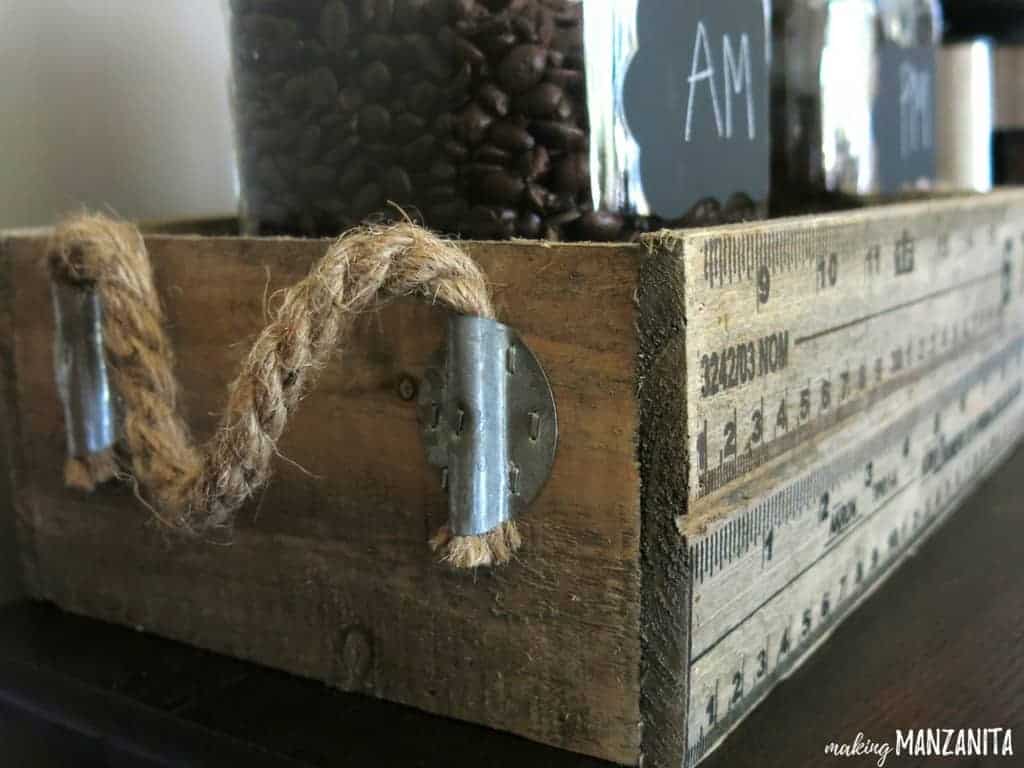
column 559, row 119
column 853, row 98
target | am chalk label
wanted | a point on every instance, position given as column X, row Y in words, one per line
column 905, row 116
column 696, row 101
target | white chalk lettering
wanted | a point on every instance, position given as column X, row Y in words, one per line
column 738, row 76
column 701, row 49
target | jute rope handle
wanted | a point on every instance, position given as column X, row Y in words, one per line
column 199, row 489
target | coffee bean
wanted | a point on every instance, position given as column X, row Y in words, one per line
column 543, row 100
column 422, row 97
column 502, row 188
column 317, row 179
column 442, row 170
column 512, row 137
column 409, row 126
column 535, row 164
column 323, row 87
column 309, row 143
column 376, row 79
column 522, row 68
column 455, row 150
column 335, row 25
column 397, row 185
column 374, row 122
column 571, row 174
column 601, row 226
column 558, row 135
column 491, row 154
column 368, row 200
column 529, row 225
column 469, row 53
column 494, row 99
column 473, row 124
column 350, row 99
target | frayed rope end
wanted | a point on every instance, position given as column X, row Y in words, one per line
column 495, row 547
column 84, row 473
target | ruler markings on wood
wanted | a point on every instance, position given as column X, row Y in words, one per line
column 880, row 378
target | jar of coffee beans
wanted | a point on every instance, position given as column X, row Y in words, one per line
column 558, row 119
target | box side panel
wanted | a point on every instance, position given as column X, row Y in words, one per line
column 328, row 574
column 665, row 599
column 851, row 378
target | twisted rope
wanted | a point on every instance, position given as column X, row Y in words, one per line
column 197, row 489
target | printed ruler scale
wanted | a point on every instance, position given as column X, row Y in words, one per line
column 851, row 379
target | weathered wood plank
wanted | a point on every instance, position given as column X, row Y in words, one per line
column 329, row 576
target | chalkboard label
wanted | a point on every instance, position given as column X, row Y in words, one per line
column 696, row 101
column 905, row 116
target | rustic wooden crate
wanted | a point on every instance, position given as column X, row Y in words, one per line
column 582, row 642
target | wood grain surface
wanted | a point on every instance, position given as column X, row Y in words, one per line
column 938, row 646
column 328, row 575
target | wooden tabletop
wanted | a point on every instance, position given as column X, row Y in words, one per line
column 938, row 646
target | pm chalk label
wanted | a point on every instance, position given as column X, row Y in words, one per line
column 905, row 116
column 696, row 100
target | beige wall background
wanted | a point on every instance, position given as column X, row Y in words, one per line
column 114, row 104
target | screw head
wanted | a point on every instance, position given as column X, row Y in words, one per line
column 407, row 387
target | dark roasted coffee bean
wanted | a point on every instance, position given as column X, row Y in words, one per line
column 536, row 197
column 571, row 174
column 558, row 135
column 436, row 65
column 522, row 68
column 477, row 170
column 442, row 170
column 567, row 78
column 494, row 99
column 512, row 137
column 535, row 164
column 455, row 150
column 450, row 211
column 444, row 125
column 309, row 143
column 410, row 14
column 268, row 174
column 491, row 154
column 317, row 179
column 350, row 99
column 502, row 188
column 376, row 79
column 461, row 9
column 323, row 87
column 335, row 24
column 352, row 175
column 600, row 225
column 442, row 193
column 379, row 47
column 473, row 124
column 469, row 53
column 543, row 100
column 379, row 13
column 397, row 185
column 409, row 126
column 367, row 200
column 422, row 97
column 529, row 225
column 296, row 91
column 374, row 122
column 419, row 154
column 563, row 218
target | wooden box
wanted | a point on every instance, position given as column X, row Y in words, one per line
column 584, row 641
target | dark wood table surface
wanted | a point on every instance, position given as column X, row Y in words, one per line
column 940, row 645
